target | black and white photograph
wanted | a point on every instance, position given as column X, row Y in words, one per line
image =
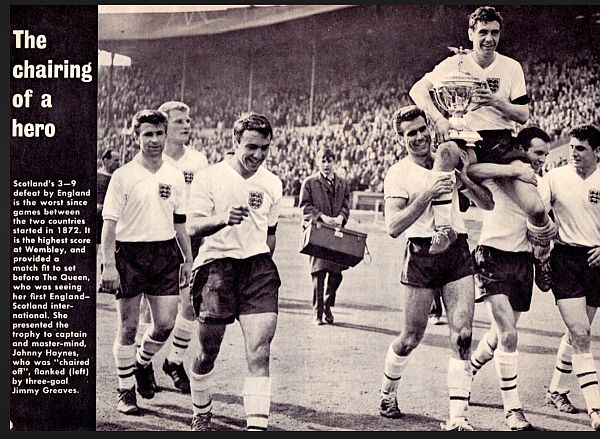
column 308, row 218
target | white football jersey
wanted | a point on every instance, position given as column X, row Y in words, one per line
column 143, row 203
column 575, row 203
column 408, row 180
column 504, row 77
column 219, row 188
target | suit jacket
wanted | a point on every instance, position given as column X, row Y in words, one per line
column 318, row 197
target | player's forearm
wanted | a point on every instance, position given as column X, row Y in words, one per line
column 516, row 113
column 419, row 93
column 205, row 225
column 481, row 171
column 271, row 243
column 478, row 194
column 401, row 220
column 109, row 236
column 184, row 241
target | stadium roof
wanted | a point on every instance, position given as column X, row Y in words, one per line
column 201, row 35
column 114, row 26
column 155, row 35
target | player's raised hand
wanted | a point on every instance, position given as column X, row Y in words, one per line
column 442, row 129
column 525, row 172
column 237, row 214
column 442, row 184
column 483, row 96
column 463, row 167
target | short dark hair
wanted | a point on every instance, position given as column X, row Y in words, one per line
column 154, row 117
column 526, row 135
column 251, row 122
column 485, row 14
column 107, row 155
column 589, row 133
column 325, row 152
column 406, row 114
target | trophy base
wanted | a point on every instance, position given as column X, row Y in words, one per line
column 469, row 136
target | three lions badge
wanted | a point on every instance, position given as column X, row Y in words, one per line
column 164, row 190
column 189, row 176
column 255, row 199
column 493, row 84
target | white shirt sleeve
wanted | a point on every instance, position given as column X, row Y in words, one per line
column 273, row 215
column 181, row 208
column 114, row 202
column 200, row 201
column 392, row 186
column 440, row 71
column 518, row 87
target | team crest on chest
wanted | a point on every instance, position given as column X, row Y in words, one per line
column 255, row 199
column 594, row 196
column 493, row 84
column 189, row 176
column 164, row 190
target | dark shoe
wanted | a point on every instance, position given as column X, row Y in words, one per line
column 515, row 419
column 442, row 239
column 201, row 422
column 543, row 274
column 388, row 407
column 460, row 425
column 146, row 383
column 127, row 402
column 178, row 375
column 328, row 315
column 560, row 401
column 318, row 321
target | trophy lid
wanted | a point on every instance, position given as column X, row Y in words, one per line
column 457, row 78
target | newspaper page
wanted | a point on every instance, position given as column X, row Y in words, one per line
column 327, row 78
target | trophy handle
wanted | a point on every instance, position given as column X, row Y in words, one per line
column 439, row 104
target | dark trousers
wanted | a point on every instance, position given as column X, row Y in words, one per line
column 325, row 297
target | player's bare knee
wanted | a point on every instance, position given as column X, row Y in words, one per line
column 407, row 343
column 508, row 339
column 462, row 340
column 126, row 333
column 203, row 363
column 162, row 329
column 187, row 312
column 447, row 156
column 258, row 360
column 580, row 337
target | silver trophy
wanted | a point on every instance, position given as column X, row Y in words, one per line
column 454, row 94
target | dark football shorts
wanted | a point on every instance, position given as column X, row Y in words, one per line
column 226, row 288
column 151, row 268
column 572, row 276
column 500, row 147
column 501, row 272
column 434, row 271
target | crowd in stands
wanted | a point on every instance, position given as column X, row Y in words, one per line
column 351, row 113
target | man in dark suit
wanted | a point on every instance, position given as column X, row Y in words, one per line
column 325, row 197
